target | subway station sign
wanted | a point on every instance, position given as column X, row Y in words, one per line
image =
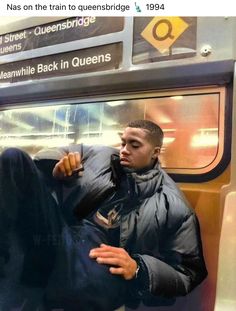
column 106, row 57
column 62, row 31
column 163, row 38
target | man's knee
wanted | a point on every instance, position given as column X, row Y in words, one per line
column 16, row 166
column 12, row 153
column 14, row 156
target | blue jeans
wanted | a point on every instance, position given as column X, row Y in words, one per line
column 44, row 264
column 28, row 215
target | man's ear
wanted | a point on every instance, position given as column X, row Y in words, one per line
column 157, row 151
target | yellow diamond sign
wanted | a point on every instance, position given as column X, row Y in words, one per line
column 163, row 31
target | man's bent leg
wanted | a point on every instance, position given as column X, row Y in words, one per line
column 28, row 219
column 78, row 282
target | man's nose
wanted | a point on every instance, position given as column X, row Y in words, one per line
column 124, row 150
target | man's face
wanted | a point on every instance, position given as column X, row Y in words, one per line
column 136, row 150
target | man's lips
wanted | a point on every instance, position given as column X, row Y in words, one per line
column 124, row 159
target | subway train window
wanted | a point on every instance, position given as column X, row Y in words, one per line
column 192, row 121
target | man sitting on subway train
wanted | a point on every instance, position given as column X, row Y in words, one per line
column 100, row 228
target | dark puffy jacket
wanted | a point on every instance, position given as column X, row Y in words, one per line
column 159, row 226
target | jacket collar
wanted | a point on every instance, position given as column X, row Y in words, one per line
column 139, row 184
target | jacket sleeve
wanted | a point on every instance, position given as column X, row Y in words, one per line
column 55, row 154
column 180, row 267
column 47, row 158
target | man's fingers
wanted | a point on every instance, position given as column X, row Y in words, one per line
column 120, row 261
column 74, row 160
column 118, row 271
column 101, row 251
column 71, row 162
column 59, row 171
column 103, row 254
column 78, row 159
column 109, row 261
column 67, row 167
column 105, row 247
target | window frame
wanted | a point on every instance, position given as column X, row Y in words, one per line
column 208, row 172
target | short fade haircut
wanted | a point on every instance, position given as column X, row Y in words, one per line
column 155, row 132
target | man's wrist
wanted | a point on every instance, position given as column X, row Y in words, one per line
column 140, row 280
column 141, row 269
column 137, row 270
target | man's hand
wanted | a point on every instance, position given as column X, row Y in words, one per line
column 65, row 167
column 120, row 261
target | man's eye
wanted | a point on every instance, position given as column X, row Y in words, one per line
column 135, row 146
